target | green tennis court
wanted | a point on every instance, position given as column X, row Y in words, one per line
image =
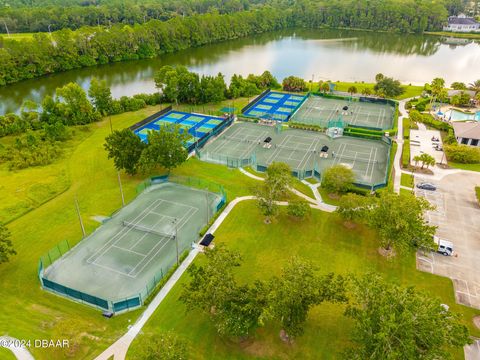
column 119, row 263
column 308, row 153
column 317, row 110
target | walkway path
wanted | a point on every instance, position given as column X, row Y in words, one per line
column 21, row 353
column 398, row 155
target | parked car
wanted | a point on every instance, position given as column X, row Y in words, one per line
column 445, row 247
column 426, row 186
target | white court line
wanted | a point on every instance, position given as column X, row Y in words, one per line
column 122, row 232
column 373, row 165
column 155, row 213
column 256, row 142
column 336, row 160
column 143, row 237
column 368, row 163
column 223, row 141
column 308, row 153
column 153, row 256
column 276, row 150
column 146, row 212
column 128, row 250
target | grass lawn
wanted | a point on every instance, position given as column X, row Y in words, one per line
column 410, row 90
column 452, row 34
column 214, row 108
column 406, row 180
column 405, row 191
column 26, row 189
column 325, row 194
column 477, row 193
column 322, row 239
column 31, row 313
column 6, row 354
column 18, row 36
column 471, row 167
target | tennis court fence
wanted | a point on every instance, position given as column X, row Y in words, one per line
column 136, row 300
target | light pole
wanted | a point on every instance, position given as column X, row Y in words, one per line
column 174, row 222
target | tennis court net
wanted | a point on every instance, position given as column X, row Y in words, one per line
column 146, row 229
column 247, row 141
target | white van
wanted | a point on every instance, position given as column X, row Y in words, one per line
column 445, row 247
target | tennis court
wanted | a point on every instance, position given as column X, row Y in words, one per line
column 139, row 243
column 197, row 125
column 317, row 110
column 308, row 153
column 273, row 105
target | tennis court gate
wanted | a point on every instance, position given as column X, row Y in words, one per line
column 136, row 300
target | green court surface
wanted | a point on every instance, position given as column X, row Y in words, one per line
column 243, row 144
column 175, row 116
column 317, row 110
column 135, row 247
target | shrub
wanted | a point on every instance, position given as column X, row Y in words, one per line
column 338, row 179
column 406, row 154
column 462, row 154
column 298, row 208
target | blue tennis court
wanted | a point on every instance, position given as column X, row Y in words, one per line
column 198, row 125
column 274, row 106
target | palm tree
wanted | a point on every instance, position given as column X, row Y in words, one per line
column 366, row 91
column 352, row 90
column 475, row 86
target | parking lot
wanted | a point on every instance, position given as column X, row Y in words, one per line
column 457, row 216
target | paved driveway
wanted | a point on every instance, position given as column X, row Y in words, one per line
column 458, row 220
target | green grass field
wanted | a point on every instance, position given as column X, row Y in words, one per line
column 477, row 193
column 18, row 36
column 410, row 90
column 471, row 167
column 322, row 239
column 32, row 313
column 452, row 34
column 406, row 180
column 25, row 190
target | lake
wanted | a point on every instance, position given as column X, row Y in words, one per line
column 322, row 54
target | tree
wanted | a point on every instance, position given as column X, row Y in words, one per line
column 75, row 109
column 166, row 80
column 366, row 91
column 338, row 179
column 392, row 322
column 296, row 291
column 388, row 87
column 295, row 84
column 379, row 77
column 352, row 90
column 458, row 86
column 462, row 153
column 475, row 86
column 462, row 99
column 437, row 86
column 165, row 148
column 6, row 247
column 164, row 346
column 400, row 222
column 101, row 96
column 125, row 148
column 277, row 181
column 298, row 208
column 234, row 310
column 325, row 87
column 353, row 207
column 425, row 159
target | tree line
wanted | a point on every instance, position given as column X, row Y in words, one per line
column 400, row 15
column 52, row 15
column 66, row 49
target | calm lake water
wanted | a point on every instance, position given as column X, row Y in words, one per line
column 324, row 54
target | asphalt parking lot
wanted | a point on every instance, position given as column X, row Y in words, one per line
column 458, row 219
